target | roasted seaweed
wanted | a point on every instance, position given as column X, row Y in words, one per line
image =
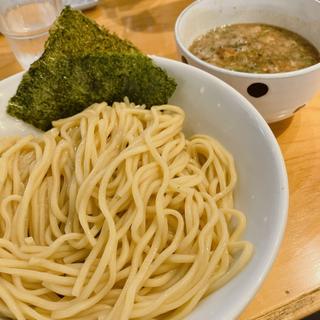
column 74, row 83
column 83, row 64
column 74, row 33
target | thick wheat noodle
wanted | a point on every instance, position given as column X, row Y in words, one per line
column 114, row 214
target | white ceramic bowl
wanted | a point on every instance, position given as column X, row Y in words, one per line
column 286, row 91
column 213, row 107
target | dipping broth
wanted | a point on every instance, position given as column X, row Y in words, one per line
column 255, row 48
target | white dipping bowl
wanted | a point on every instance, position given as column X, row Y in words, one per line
column 279, row 94
column 213, row 107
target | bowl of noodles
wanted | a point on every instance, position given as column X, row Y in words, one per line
column 119, row 212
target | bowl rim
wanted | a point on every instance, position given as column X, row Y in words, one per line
column 280, row 166
column 211, row 67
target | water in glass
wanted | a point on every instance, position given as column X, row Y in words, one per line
column 25, row 25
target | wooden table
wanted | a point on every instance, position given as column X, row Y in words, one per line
column 292, row 288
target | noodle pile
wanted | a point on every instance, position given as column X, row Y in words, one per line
column 114, row 214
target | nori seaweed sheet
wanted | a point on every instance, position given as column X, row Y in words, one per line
column 74, row 33
column 83, row 64
column 74, row 83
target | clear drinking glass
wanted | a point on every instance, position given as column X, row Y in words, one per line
column 25, row 24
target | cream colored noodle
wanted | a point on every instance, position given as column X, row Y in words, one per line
column 114, row 214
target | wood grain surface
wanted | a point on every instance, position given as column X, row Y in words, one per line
column 292, row 288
